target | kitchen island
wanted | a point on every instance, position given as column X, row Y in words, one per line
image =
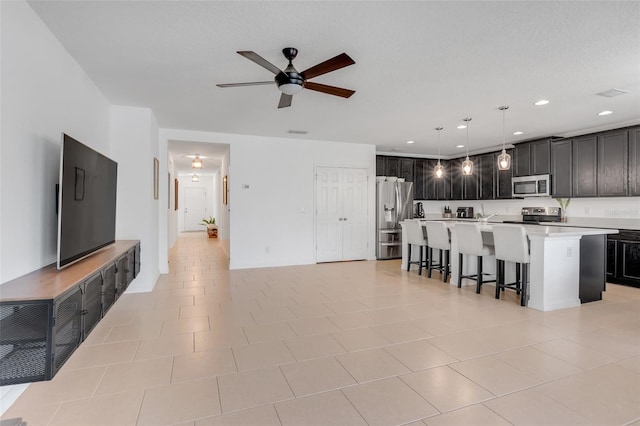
column 567, row 263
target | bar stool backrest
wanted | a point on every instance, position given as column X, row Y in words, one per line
column 469, row 238
column 438, row 235
column 415, row 235
column 511, row 243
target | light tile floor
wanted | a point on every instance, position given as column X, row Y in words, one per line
column 341, row 343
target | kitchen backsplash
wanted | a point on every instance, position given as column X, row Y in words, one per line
column 615, row 207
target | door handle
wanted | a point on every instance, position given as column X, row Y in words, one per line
column 344, row 218
column 340, row 219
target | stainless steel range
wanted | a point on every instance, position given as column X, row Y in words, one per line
column 534, row 215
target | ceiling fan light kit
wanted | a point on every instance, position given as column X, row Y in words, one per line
column 290, row 81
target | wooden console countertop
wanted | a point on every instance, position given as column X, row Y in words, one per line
column 48, row 283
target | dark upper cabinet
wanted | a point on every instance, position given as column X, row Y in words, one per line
column 380, row 165
column 392, row 166
column 438, row 188
column 561, row 169
column 503, row 178
column 540, row 153
column 585, row 166
column 522, row 160
column 486, row 175
column 464, row 187
column 420, row 181
column 407, row 166
column 634, row 161
column 532, row 158
column 613, row 170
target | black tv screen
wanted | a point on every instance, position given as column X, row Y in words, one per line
column 86, row 201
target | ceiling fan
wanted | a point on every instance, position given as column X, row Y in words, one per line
column 290, row 81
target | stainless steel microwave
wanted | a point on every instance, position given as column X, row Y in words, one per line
column 531, row 186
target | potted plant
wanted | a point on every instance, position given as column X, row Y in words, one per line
column 564, row 205
column 212, row 229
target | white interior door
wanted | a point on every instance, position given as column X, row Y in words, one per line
column 341, row 214
column 195, row 208
column 328, row 214
column 354, row 214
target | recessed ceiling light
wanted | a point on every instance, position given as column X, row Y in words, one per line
column 541, row 102
column 606, row 112
column 518, row 133
column 459, row 146
column 410, row 142
column 462, row 126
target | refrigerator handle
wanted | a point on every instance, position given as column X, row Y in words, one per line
column 399, row 209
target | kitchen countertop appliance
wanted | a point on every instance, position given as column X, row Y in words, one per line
column 535, row 215
column 394, row 203
column 464, row 213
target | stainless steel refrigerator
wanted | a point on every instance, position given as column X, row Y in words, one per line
column 394, row 203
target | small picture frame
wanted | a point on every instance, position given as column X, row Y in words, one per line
column 156, row 172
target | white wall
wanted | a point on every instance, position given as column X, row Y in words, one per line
column 44, row 93
column 277, row 208
column 134, row 142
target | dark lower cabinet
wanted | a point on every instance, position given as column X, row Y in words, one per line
column 623, row 258
column 593, row 250
column 38, row 336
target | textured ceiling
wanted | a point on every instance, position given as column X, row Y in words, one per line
column 418, row 65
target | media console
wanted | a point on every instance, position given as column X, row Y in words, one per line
column 46, row 314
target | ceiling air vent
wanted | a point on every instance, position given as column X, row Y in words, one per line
column 612, row 93
column 298, row 132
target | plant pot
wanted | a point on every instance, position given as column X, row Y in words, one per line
column 212, row 231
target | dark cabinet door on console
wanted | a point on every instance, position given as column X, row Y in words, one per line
column 634, row 161
column 561, row 169
column 630, row 259
column 613, row 171
column 612, row 256
column 585, row 170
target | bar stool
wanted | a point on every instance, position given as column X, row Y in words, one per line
column 469, row 239
column 416, row 237
column 439, row 238
column 512, row 245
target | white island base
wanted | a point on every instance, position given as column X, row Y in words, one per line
column 555, row 269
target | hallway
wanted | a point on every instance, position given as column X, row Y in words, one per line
column 341, row 343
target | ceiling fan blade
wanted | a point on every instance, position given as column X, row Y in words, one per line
column 335, row 63
column 253, row 83
column 253, row 56
column 331, row 90
column 285, row 101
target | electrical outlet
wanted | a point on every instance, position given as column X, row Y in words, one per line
column 569, row 252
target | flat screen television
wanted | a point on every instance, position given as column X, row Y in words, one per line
column 86, row 201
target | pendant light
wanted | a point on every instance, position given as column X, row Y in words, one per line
column 195, row 178
column 196, row 163
column 439, row 169
column 504, row 159
column 467, row 165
